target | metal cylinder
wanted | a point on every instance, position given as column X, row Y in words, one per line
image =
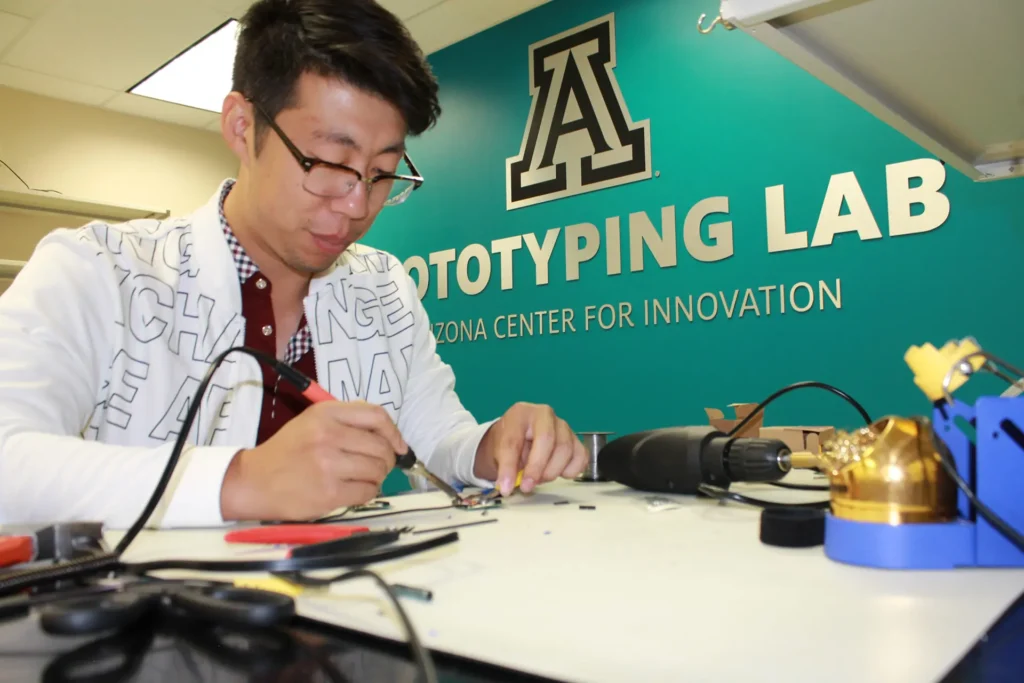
column 593, row 442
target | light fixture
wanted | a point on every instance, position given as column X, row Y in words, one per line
column 198, row 77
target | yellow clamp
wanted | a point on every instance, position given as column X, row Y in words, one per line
column 930, row 365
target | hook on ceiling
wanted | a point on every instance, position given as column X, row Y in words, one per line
column 714, row 22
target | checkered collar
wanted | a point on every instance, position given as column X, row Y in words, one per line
column 302, row 342
column 245, row 266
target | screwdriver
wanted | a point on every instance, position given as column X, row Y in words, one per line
column 410, row 463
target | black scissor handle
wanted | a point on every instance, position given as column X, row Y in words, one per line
column 237, row 606
column 95, row 614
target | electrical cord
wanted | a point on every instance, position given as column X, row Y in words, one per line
column 722, row 494
column 799, row 487
column 793, row 387
column 111, row 561
column 334, row 518
column 292, row 564
column 27, row 186
column 785, row 390
column 949, row 465
column 420, row 653
column 186, row 427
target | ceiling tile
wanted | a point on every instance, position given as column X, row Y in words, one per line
column 456, row 20
column 49, row 86
column 11, row 27
column 405, row 9
column 112, row 43
column 32, row 9
column 160, row 110
column 235, row 8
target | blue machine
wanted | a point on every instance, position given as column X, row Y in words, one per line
column 986, row 441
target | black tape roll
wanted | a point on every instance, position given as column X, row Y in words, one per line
column 792, row 527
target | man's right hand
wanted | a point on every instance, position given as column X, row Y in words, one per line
column 333, row 454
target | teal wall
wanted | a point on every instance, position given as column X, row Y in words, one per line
column 728, row 117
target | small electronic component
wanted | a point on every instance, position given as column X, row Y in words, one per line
column 486, row 498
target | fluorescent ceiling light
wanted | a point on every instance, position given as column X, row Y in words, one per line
column 199, row 77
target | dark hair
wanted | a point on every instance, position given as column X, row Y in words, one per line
column 356, row 41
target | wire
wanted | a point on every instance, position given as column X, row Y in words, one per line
column 12, row 582
column 722, row 494
column 27, row 186
column 179, row 444
column 793, row 387
column 420, row 654
column 799, row 487
column 949, row 465
column 291, row 564
column 334, row 518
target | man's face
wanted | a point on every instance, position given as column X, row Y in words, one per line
column 335, row 122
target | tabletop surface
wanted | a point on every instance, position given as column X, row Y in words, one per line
column 622, row 592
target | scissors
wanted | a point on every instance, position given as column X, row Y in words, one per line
column 136, row 599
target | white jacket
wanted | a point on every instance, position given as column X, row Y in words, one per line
column 108, row 330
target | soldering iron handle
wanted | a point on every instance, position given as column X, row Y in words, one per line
column 407, row 461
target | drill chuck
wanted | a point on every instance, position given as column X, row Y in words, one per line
column 757, row 460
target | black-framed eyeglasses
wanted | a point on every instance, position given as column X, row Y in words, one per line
column 328, row 179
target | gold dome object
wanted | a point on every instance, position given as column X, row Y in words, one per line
column 888, row 472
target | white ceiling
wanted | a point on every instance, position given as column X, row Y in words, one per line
column 93, row 51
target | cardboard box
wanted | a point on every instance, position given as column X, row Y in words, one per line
column 799, row 438
column 717, row 419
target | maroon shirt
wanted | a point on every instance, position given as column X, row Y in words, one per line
column 281, row 400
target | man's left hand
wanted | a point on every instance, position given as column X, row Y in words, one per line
column 533, row 439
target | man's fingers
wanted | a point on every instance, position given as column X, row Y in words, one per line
column 345, row 466
column 543, row 429
column 562, row 454
column 368, row 416
column 579, row 461
column 511, row 444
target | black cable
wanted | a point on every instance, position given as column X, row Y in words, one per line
column 179, row 444
column 420, row 654
column 12, row 582
column 949, row 465
column 291, row 564
column 334, row 518
column 722, row 494
column 27, row 186
column 793, row 387
column 799, row 487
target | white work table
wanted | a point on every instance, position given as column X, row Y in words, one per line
column 620, row 593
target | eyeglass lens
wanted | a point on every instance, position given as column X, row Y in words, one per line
column 325, row 181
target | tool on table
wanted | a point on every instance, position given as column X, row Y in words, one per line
column 410, row 463
column 681, row 459
column 593, row 442
column 64, row 541
column 293, row 534
column 354, row 543
column 455, row 526
column 136, row 599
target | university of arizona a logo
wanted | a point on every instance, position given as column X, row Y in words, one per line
column 579, row 136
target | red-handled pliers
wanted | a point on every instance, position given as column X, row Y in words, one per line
column 16, row 550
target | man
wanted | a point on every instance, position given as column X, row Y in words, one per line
column 108, row 330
